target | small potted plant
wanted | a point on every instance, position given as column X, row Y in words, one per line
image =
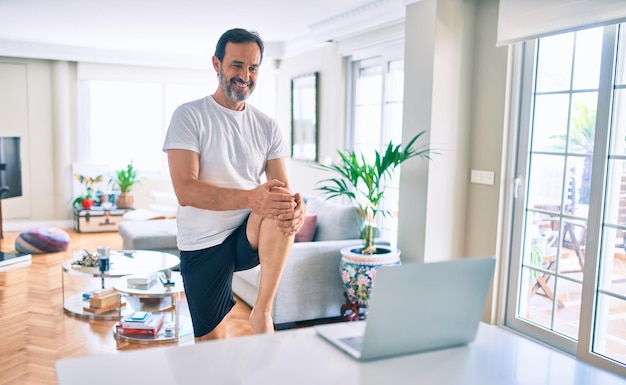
column 86, row 200
column 364, row 184
column 125, row 179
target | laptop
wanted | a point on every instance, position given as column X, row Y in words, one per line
column 417, row 307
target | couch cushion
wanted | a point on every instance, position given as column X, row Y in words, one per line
column 335, row 221
column 307, row 231
column 149, row 235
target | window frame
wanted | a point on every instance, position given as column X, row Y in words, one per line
column 363, row 59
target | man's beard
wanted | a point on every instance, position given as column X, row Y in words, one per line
column 233, row 92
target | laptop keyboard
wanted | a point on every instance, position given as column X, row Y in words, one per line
column 353, row 342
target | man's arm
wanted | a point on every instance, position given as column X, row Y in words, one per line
column 190, row 191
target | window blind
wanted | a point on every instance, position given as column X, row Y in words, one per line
column 520, row 20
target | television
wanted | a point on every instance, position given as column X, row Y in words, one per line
column 10, row 167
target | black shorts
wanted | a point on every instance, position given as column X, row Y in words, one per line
column 208, row 278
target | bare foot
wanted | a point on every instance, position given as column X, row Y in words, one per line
column 261, row 322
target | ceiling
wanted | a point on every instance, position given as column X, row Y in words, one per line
column 174, row 30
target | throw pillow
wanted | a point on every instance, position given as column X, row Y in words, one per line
column 336, row 221
column 307, row 231
column 42, row 240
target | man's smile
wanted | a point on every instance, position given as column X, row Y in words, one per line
column 239, row 83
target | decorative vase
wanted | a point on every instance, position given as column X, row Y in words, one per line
column 125, row 200
column 358, row 271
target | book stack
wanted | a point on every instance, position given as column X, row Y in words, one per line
column 102, row 301
column 140, row 323
column 143, row 280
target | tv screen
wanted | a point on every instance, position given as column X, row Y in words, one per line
column 10, row 167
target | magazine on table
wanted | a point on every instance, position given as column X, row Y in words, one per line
column 149, row 322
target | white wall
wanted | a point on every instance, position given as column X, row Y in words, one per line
column 484, row 225
column 457, row 89
column 418, row 89
column 439, row 42
column 488, row 138
column 26, row 111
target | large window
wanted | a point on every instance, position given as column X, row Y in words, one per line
column 568, row 271
column 127, row 121
column 125, row 111
column 376, row 119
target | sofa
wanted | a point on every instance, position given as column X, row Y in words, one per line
column 154, row 234
column 310, row 288
column 153, row 227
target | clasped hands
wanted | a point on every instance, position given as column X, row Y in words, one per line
column 285, row 208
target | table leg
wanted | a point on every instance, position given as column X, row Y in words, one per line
column 177, row 315
column 351, row 310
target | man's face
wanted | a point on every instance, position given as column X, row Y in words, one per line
column 238, row 71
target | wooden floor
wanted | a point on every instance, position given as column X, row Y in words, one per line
column 35, row 331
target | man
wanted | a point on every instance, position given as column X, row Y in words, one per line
column 218, row 148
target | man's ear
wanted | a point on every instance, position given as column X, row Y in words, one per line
column 216, row 64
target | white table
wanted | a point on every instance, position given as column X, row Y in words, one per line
column 122, row 262
column 496, row 357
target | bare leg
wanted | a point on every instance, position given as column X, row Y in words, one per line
column 235, row 324
column 273, row 248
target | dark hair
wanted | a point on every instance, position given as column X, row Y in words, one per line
column 237, row 35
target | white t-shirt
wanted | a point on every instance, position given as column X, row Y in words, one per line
column 234, row 147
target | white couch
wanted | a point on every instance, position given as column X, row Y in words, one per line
column 156, row 234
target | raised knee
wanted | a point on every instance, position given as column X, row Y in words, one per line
column 261, row 228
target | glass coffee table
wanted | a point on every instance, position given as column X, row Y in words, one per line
column 122, row 263
column 162, row 297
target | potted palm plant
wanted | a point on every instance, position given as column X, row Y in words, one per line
column 125, row 179
column 363, row 182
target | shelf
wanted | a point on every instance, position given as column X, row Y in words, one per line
column 74, row 307
column 185, row 330
column 157, row 298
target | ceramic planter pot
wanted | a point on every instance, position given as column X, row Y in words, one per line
column 125, row 200
column 358, row 271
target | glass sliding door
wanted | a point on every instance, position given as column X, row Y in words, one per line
column 568, row 249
